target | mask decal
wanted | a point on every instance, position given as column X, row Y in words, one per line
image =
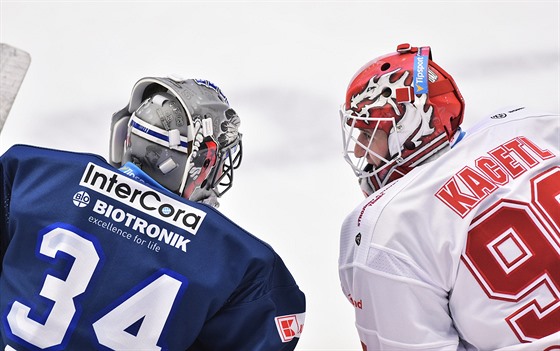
column 229, row 128
column 412, row 127
column 380, row 91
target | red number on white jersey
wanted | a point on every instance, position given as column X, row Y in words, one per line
column 513, row 250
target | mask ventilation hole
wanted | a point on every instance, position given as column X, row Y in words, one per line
column 385, row 66
column 386, row 92
column 409, row 145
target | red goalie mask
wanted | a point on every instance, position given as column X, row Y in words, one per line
column 409, row 98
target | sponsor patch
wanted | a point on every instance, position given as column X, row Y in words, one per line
column 290, row 326
column 421, row 71
column 137, row 195
column 81, row 199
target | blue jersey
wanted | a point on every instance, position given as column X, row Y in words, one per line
column 95, row 260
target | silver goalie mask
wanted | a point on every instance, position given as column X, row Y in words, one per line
column 182, row 133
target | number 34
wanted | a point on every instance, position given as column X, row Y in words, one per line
column 152, row 301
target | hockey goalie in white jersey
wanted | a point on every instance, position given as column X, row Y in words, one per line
column 457, row 245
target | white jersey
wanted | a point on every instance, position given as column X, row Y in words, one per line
column 463, row 253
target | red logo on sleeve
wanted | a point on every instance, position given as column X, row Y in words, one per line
column 290, row 326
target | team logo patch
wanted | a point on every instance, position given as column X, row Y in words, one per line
column 290, row 326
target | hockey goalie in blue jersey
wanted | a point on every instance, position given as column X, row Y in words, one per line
column 131, row 254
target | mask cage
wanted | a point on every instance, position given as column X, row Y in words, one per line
column 350, row 139
column 222, row 177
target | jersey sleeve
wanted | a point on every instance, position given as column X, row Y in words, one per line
column 396, row 309
column 398, row 304
column 265, row 313
column 5, row 194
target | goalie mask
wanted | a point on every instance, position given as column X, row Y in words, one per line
column 407, row 99
column 182, row 133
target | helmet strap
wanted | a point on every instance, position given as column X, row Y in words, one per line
column 171, row 139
